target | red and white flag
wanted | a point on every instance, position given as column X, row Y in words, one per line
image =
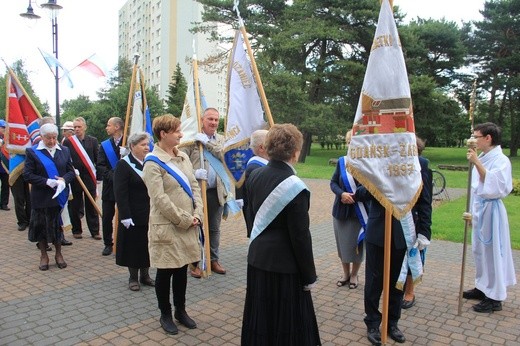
column 92, row 66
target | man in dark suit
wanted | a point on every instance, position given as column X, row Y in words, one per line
column 374, row 245
column 84, row 152
column 107, row 159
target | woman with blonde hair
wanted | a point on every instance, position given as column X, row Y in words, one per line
column 175, row 214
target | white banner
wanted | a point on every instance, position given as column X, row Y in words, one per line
column 383, row 154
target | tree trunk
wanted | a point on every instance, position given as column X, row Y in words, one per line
column 306, row 149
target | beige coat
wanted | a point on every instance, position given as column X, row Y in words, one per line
column 172, row 240
column 217, row 149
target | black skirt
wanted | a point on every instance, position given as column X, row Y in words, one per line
column 277, row 311
column 45, row 225
column 132, row 247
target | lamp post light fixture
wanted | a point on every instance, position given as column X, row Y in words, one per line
column 54, row 8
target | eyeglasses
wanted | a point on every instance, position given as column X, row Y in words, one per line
column 479, row 136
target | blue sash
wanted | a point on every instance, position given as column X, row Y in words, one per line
column 231, row 205
column 359, row 207
column 185, row 186
column 412, row 259
column 52, row 172
column 277, row 200
column 257, row 160
column 110, row 153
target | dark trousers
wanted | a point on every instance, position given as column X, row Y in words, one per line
column 214, row 219
column 179, row 280
column 374, row 285
column 81, row 202
column 22, row 201
column 4, row 193
column 109, row 210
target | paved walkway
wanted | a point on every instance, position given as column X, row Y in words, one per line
column 88, row 303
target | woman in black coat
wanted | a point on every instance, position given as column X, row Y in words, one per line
column 48, row 168
column 133, row 204
column 281, row 272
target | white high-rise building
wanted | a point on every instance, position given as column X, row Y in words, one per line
column 159, row 31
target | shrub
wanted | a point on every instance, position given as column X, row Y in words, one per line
column 516, row 187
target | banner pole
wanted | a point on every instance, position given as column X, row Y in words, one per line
column 203, row 182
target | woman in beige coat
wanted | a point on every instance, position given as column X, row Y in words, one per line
column 175, row 214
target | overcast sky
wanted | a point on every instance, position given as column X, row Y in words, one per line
column 88, row 27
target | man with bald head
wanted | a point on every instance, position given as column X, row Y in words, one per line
column 107, row 159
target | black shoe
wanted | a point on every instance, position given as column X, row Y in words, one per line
column 406, row 304
column 168, row 325
column 184, row 319
column 5, row 207
column 374, row 336
column 396, row 334
column 22, row 227
column 474, row 293
column 65, row 242
column 107, row 250
column 488, row 305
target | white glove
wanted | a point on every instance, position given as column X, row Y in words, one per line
column 310, row 286
column 61, row 186
column 76, row 171
column 123, row 151
column 240, row 203
column 201, row 174
column 201, row 137
column 127, row 223
column 422, row 242
column 52, row 183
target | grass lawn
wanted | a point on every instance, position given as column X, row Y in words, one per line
column 447, row 217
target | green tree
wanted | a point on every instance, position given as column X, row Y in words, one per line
column 176, row 92
column 495, row 52
column 22, row 75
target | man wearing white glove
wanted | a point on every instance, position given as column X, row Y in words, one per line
column 215, row 190
column 109, row 154
column 201, row 174
column 127, row 223
column 422, row 215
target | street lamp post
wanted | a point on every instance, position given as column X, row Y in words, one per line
column 54, row 8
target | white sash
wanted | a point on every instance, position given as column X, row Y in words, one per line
column 133, row 166
column 84, row 156
column 277, row 200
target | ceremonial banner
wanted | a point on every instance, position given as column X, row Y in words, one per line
column 23, row 127
column 245, row 114
column 189, row 117
column 382, row 154
column 141, row 119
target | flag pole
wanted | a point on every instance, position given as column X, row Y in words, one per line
column 386, row 274
column 130, row 97
column 256, row 74
column 123, row 140
column 203, row 182
column 471, row 143
column 13, row 75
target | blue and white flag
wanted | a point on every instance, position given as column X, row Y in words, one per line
column 245, row 113
column 141, row 119
column 53, row 63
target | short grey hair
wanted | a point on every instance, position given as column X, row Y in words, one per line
column 137, row 137
column 48, row 129
column 257, row 138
